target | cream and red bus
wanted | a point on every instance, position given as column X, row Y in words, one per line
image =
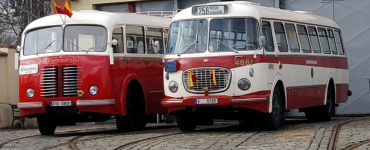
column 243, row 61
column 92, row 67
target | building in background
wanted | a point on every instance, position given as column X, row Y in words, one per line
column 353, row 16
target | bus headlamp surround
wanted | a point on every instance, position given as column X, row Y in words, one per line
column 30, row 92
column 93, row 90
column 244, row 84
column 173, row 86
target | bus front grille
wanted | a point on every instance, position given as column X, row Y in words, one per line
column 49, row 82
column 71, row 80
column 204, row 80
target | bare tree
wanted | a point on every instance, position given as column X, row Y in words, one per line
column 15, row 15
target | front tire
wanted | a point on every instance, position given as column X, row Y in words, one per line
column 47, row 124
column 273, row 120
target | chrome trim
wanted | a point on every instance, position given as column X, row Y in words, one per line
column 49, row 81
column 96, row 102
column 248, row 99
column 206, row 79
column 172, row 102
column 156, row 92
column 30, row 105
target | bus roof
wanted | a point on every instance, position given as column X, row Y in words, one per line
column 243, row 8
column 107, row 19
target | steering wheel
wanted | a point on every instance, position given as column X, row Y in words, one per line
column 91, row 48
column 252, row 46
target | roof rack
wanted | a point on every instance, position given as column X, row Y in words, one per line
column 164, row 14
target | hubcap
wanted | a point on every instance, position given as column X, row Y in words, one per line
column 275, row 107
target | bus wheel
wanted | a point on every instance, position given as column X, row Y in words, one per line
column 124, row 123
column 47, row 124
column 325, row 112
column 185, row 123
column 272, row 120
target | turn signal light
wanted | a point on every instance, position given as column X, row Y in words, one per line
column 80, row 93
column 280, row 65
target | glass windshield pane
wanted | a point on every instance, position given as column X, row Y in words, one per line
column 46, row 40
column 233, row 33
column 85, row 38
column 183, row 37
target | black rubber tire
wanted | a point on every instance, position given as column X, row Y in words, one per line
column 186, row 123
column 47, row 124
column 124, row 123
column 325, row 112
column 139, row 117
column 273, row 120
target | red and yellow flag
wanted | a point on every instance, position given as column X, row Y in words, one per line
column 66, row 10
column 192, row 78
column 213, row 78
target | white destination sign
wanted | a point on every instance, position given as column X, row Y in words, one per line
column 28, row 69
column 206, row 10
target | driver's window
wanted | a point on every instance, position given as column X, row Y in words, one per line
column 117, row 34
column 267, row 32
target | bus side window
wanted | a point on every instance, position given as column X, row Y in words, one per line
column 338, row 40
column 117, row 34
column 267, row 32
column 324, row 41
column 315, row 43
column 292, row 37
column 134, row 39
column 333, row 46
column 280, row 37
column 154, row 37
column 303, row 39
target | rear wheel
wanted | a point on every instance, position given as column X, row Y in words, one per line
column 47, row 124
column 325, row 112
column 186, row 123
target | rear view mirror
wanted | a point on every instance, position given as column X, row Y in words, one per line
column 18, row 48
column 262, row 41
column 114, row 42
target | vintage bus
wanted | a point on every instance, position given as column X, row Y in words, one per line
column 92, row 67
column 243, row 61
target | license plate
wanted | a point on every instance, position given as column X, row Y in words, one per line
column 60, row 103
column 206, row 101
column 170, row 66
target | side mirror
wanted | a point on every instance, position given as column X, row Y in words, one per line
column 157, row 47
column 114, row 42
column 262, row 41
column 18, row 48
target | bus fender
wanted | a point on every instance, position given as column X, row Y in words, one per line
column 124, row 86
column 330, row 76
column 277, row 78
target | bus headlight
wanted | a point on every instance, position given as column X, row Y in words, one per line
column 173, row 87
column 93, row 90
column 30, row 92
column 244, row 84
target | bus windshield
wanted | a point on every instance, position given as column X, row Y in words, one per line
column 230, row 34
column 188, row 37
column 85, row 38
column 45, row 40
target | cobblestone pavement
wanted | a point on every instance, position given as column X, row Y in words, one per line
column 297, row 134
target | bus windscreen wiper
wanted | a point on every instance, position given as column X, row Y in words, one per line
column 191, row 44
column 37, row 53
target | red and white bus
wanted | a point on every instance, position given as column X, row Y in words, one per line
column 243, row 61
column 91, row 67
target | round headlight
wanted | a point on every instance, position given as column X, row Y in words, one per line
column 244, row 84
column 173, row 87
column 93, row 90
column 30, row 92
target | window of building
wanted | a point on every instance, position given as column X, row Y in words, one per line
column 338, row 40
column 117, row 34
column 315, row 44
column 292, row 37
column 134, row 40
column 324, row 41
column 267, row 32
column 280, row 37
column 303, row 39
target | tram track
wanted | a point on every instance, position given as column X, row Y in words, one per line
column 335, row 135
column 16, row 139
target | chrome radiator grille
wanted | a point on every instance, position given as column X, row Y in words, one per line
column 203, row 75
column 49, row 82
column 71, row 82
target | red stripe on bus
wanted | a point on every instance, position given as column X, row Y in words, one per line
column 241, row 60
